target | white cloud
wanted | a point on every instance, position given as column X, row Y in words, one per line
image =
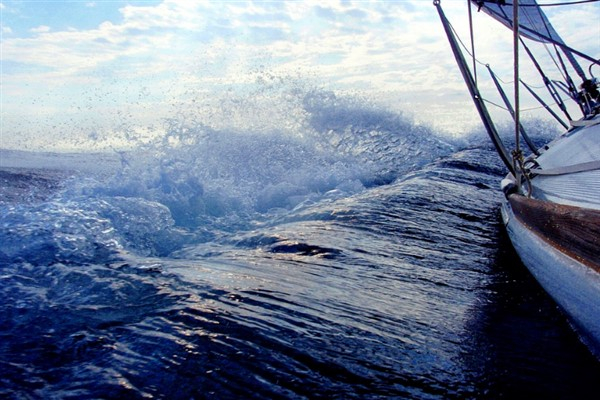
column 40, row 29
column 179, row 46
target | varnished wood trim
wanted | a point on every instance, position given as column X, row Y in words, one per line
column 574, row 231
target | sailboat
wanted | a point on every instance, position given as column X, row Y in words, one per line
column 551, row 202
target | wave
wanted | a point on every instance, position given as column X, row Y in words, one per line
column 201, row 181
column 319, row 263
column 344, row 146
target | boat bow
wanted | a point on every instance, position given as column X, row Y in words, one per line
column 552, row 205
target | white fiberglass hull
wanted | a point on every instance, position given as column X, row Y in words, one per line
column 555, row 225
column 573, row 285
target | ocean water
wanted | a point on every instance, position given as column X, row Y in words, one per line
column 355, row 255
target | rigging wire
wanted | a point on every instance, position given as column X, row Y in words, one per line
column 548, row 36
column 565, row 3
column 517, row 153
column 590, row 67
column 507, row 82
column 466, row 49
column 569, row 51
column 472, row 41
column 464, row 46
column 528, row 15
column 500, row 106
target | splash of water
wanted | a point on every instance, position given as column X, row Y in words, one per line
column 208, row 175
column 205, row 173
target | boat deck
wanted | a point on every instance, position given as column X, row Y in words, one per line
column 581, row 189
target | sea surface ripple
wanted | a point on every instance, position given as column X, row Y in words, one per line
column 365, row 260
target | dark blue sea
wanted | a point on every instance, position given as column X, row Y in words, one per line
column 360, row 256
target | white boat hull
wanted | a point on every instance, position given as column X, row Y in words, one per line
column 573, row 285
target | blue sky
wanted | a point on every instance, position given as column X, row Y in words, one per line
column 75, row 71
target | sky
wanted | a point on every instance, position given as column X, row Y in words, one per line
column 101, row 73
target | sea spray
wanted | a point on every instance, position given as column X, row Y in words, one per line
column 211, row 171
column 274, row 263
column 205, row 174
